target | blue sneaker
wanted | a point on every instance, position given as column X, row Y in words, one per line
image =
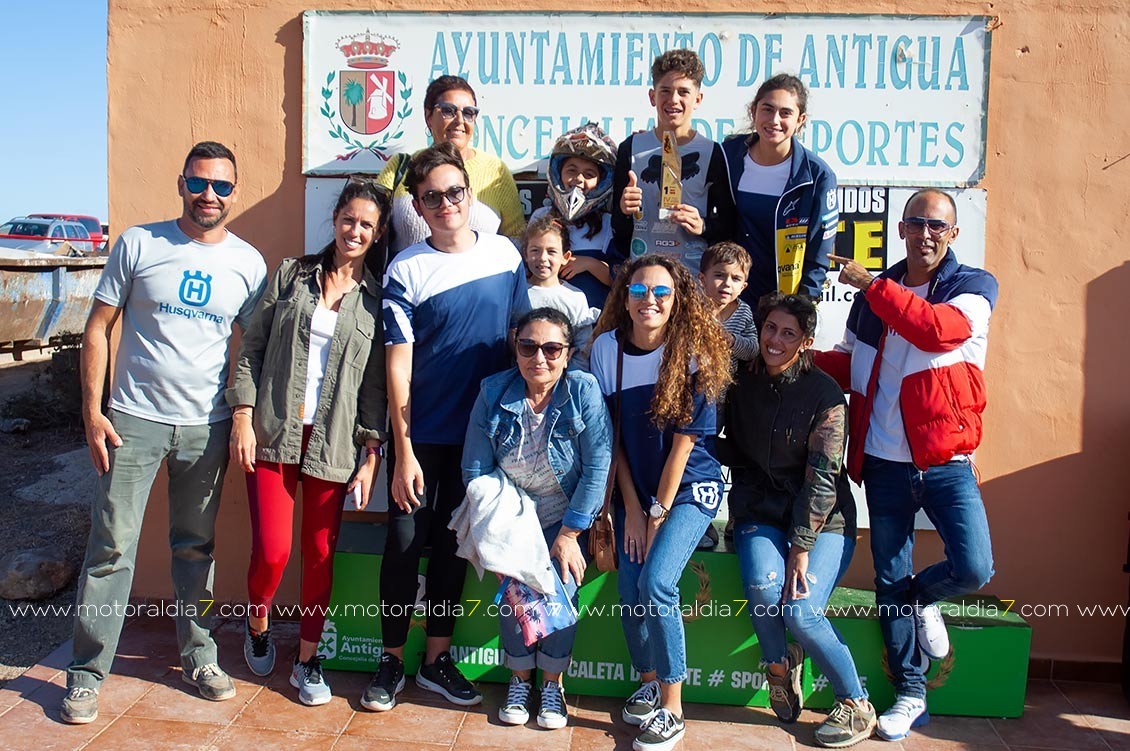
column 311, row 684
column 259, row 652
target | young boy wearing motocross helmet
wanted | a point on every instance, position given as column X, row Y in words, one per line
column 580, row 186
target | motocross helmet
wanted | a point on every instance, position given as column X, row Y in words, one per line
column 588, row 142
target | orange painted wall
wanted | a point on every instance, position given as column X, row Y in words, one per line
column 1055, row 465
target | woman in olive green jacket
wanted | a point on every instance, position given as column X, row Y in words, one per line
column 309, row 390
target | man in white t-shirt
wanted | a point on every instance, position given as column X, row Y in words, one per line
column 177, row 286
column 913, row 357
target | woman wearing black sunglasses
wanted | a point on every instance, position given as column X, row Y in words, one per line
column 662, row 360
column 547, row 428
column 450, row 112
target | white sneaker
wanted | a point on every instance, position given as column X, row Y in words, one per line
column 933, row 639
column 907, row 712
column 516, row 709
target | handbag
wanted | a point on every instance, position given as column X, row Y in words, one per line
column 602, row 538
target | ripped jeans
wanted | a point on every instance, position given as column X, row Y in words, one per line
column 762, row 551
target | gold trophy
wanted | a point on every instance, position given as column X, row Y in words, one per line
column 671, row 176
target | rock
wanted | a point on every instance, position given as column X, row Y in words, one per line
column 34, row 574
column 15, row 425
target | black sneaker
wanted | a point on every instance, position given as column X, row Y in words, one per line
column 443, row 678
column 784, row 691
column 661, row 733
column 642, row 705
column 380, row 694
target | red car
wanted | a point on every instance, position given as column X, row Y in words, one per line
column 92, row 224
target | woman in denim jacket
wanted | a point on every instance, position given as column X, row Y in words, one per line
column 548, row 429
column 309, row 389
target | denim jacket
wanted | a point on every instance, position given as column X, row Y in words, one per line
column 579, row 430
column 271, row 374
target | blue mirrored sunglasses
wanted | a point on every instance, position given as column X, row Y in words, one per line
column 639, row 291
column 196, row 185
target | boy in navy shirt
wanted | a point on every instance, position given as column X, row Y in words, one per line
column 706, row 213
column 449, row 303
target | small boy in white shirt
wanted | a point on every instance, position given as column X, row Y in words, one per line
column 545, row 248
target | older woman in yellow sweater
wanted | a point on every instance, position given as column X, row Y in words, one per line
column 450, row 112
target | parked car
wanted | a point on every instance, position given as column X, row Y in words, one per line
column 92, row 224
column 44, row 235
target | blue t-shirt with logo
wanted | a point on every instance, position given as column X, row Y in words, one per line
column 455, row 309
column 179, row 298
column 645, row 445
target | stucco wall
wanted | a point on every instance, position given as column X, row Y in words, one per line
column 1054, row 464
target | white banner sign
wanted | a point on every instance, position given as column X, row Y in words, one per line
column 893, row 100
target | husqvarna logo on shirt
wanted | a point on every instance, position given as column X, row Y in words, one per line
column 195, row 288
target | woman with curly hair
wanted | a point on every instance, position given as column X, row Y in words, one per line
column 662, row 360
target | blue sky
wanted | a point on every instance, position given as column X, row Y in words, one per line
column 53, row 122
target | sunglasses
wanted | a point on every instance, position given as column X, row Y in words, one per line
column 449, row 111
column 639, row 291
column 197, row 185
column 551, row 350
column 918, row 224
column 433, row 199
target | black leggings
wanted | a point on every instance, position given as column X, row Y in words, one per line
column 408, row 533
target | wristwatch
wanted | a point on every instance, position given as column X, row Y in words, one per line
column 378, row 450
column 658, row 510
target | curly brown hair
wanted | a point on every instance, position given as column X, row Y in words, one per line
column 693, row 331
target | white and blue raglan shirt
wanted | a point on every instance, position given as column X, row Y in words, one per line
column 179, row 298
column 646, row 446
column 455, row 309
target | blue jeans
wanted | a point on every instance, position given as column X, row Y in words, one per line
column 196, row 457
column 552, row 653
column 649, row 592
column 949, row 495
column 762, row 552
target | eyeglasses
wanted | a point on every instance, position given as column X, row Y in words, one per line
column 197, row 185
column 551, row 350
column 916, row 225
column 448, row 112
column 639, row 291
column 433, row 199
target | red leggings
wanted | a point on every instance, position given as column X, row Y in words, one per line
column 271, row 490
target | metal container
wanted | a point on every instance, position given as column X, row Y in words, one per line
column 44, row 297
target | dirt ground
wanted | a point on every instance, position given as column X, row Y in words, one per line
column 45, row 491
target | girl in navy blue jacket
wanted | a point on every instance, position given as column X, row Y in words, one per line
column 786, row 195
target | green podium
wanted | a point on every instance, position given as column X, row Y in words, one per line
column 985, row 674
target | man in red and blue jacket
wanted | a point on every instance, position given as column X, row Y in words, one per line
column 913, row 358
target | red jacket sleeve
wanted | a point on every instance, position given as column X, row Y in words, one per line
column 929, row 327
column 836, row 364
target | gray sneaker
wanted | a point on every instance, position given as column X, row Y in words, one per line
column 259, row 651
column 311, row 684
column 80, row 706
column 847, row 724
column 784, row 691
column 212, row 683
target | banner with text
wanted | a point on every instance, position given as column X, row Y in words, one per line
column 893, row 100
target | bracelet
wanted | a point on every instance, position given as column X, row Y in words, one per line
column 378, row 450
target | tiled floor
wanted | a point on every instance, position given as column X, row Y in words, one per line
column 146, row 705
